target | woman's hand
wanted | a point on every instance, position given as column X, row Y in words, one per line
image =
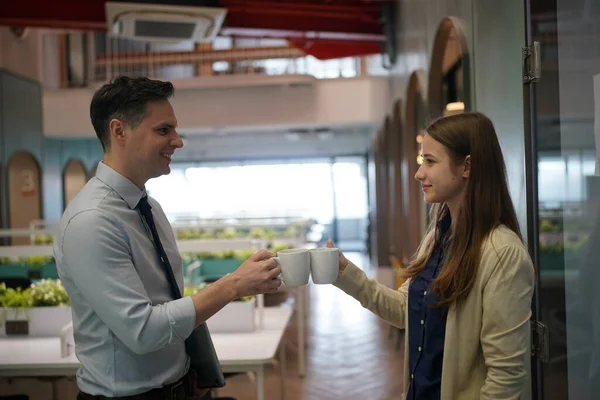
column 343, row 262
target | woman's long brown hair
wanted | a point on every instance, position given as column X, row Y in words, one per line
column 485, row 205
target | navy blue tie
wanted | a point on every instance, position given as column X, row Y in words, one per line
column 146, row 211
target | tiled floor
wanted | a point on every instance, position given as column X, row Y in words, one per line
column 350, row 355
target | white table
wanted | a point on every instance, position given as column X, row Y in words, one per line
column 237, row 352
column 301, row 316
column 244, row 352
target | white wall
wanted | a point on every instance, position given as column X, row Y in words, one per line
column 21, row 56
column 199, row 107
column 495, row 33
column 51, row 70
column 418, row 22
column 499, row 36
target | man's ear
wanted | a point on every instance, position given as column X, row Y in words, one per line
column 467, row 167
column 116, row 130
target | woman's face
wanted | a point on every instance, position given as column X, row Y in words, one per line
column 441, row 179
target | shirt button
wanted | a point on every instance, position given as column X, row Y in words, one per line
column 420, row 348
column 425, row 293
column 412, row 375
column 422, row 322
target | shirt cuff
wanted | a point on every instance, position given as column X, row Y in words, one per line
column 182, row 317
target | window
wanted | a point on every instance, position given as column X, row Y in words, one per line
column 332, row 193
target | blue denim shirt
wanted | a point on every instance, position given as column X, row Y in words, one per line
column 427, row 326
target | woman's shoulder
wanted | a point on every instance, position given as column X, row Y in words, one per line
column 505, row 262
column 503, row 242
column 503, row 236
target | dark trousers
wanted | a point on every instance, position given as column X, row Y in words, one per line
column 82, row 396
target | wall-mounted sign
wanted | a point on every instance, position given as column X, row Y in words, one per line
column 28, row 184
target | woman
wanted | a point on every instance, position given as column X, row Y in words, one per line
column 466, row 303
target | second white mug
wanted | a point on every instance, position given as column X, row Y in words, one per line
column 324, row 265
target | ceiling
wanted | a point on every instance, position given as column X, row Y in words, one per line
column 322, row 28
column 273, row 141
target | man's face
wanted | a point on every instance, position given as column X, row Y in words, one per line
column 149, row 146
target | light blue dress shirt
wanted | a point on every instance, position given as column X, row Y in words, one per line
column 129, row 332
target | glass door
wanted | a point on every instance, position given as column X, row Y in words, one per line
column 563, row 127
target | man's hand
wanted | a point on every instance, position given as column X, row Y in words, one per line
column 257, row 275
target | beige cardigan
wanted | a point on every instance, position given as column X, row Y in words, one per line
column 487, row 343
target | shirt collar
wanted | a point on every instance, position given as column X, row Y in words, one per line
column 126, row 189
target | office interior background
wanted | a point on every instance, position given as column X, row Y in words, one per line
column 318, row 107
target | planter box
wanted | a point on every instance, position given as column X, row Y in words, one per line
column 237, row 316
column 212, row 269
column 217, row 268
column 14, row 327
column 42, row 321
column 22, row 271
column 34, row 274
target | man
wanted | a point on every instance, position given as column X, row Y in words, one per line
column 129, row 330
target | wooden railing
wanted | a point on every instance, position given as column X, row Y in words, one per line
column 88, row 58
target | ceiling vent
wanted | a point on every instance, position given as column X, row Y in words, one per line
column 163, row 23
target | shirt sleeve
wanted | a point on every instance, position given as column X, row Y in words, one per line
column 97, row 257
column 388, row 304
column 505, row 331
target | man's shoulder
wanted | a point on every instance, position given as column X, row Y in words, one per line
column 92, row 203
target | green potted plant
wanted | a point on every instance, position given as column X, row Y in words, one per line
column 50, row 308
column 15, row 305
column 37, row 264
column 43, row 240
column 41, row 310
column 32, row 268
column 237, row 316
column 49, row 293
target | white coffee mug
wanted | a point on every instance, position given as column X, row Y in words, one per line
column 324, row 265
column 295, row 266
